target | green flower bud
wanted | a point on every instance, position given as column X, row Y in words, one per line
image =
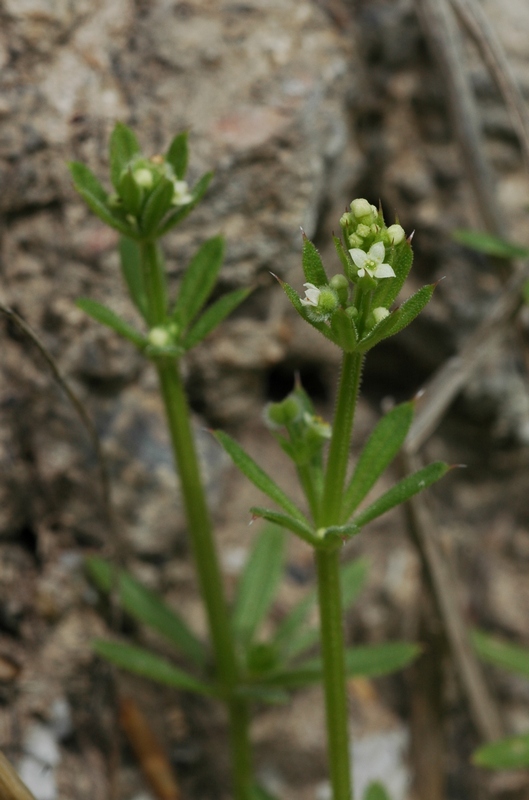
column 355, row 240
column 278, row 415
column 364, row 230
column 340, row 284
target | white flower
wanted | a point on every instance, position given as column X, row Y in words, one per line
column 371, row 263
column 181, row 196
column 312, row 295
column 379, row 314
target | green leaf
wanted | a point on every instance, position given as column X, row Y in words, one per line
column 148, row 608
column 343, row 256
column 213, row 316
column 296, row 302
column 376, row 791
column 365, row 660
column 198, row 281
column 178, row 155
column 85, row 181
column 148, row 665
column 388, row 289
column 501, row 654
column 402, row 491
column 130, row 193
column 398, row 319
column 181, row 212
column 131, row 270
column 156, row 206
column 380, row 450
column 123, row 147
column 509, row 753
column 95, row 197
column 295, row 525
column 258, row 477
column 258, row 582
column 105, row 316
column 291, row 637
column 344, row 331
column 312, row 264
column 489, row 244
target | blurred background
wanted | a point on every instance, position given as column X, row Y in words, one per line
column 298, row 107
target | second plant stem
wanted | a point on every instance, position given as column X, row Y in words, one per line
column 329, row 589
column 200, row 532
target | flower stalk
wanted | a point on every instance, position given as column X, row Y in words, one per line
column 200, row 533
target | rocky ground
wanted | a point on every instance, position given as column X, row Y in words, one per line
column 299, row 107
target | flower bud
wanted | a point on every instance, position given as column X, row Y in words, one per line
column 143, row 177
column 355, row 240
column 362, row 208
column 379, row 314
column 396, row 234
column 159, row 337
column 340, row 284
column 363, row 230
column 278, row 415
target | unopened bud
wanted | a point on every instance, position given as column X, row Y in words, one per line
column 144, row 178
column 396, row 234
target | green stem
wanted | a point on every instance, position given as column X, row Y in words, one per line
column 334, row 675
column 201, row 533
column 341, row 438
column 154, row 280
column 306, row 479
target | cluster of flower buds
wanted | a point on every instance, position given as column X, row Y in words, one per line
column 307, row 432
column 353, row 309
column 146, row 175
column 150, row 195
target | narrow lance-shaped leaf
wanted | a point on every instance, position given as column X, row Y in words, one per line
column 258, row 582
column 130, row 193
column 489, row 244
column 213, row 316
column 509, row 753
column 95, row 197
column 295, row 525
column 365, row 660
column 344, row 331
column 129, row 252
column 312, row 264
column 156, row 207
column 402, row 491
column 107, row 317
column 181, row 212
column 501, row 654
column 348, row 267
column 148, row 665
column 292, row 637
column 380, row 450
column 398, row 319
column 258, row 477
column 198, row 281
column 123, row 147
column 178, row 155
column 148, row 608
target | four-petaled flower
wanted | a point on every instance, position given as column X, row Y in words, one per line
column 312, row 295
column 371, row 263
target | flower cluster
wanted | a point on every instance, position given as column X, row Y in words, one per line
column 306, row 431
column 353, row 309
